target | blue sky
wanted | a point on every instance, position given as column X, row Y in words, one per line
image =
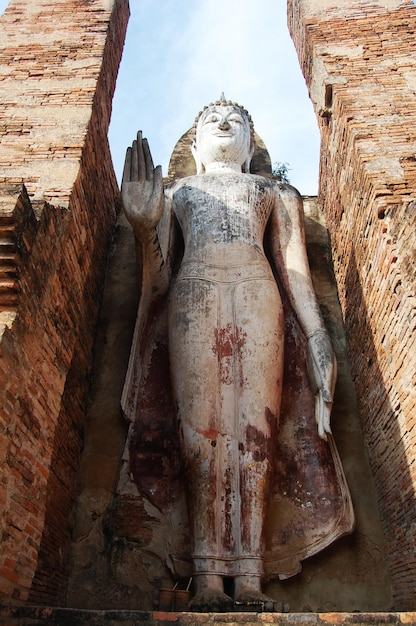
column 182, row 56
column 185, row 53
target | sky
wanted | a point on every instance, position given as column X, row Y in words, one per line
column 183, row 54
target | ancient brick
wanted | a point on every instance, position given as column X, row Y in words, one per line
column 363, row 54
column 58, row 200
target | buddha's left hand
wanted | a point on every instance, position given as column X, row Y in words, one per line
column 322, row 367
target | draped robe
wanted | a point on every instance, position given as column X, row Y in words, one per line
column 307, row 504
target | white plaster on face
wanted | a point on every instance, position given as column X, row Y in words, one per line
column 387, row 166
column 352, row 52
column 223, row 138
column 410, row 78
column 320, row 76
column 320, row 79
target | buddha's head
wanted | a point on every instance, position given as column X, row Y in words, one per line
column 224, row 133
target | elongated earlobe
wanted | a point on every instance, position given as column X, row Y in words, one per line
column 199, row 166
column 246, row 166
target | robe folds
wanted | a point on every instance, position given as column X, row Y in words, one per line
column 309, row 502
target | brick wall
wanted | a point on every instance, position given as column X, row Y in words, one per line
column 359, row 61
column 58, row 201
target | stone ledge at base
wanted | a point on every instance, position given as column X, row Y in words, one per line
column 48, row 616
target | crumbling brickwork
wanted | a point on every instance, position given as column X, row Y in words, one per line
column 359, row 61
column 58, row 202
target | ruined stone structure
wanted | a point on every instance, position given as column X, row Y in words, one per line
column 58, row 195
column 58, row 204
column 359, row 61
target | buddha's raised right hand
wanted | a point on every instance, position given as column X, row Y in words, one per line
column 142, row 189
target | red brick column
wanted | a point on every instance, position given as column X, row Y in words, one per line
column 58, row 201
column 359, row 62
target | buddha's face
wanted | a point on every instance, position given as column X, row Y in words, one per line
column 223, row 135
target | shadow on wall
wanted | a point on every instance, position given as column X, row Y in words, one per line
column 389, row 465
column 351, row 574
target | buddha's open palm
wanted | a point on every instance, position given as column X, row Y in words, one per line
column 142, row 188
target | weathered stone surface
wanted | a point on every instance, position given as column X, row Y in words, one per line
column 36, row 616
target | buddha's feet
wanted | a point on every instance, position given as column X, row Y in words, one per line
column 211, row 602
column 258, row 601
